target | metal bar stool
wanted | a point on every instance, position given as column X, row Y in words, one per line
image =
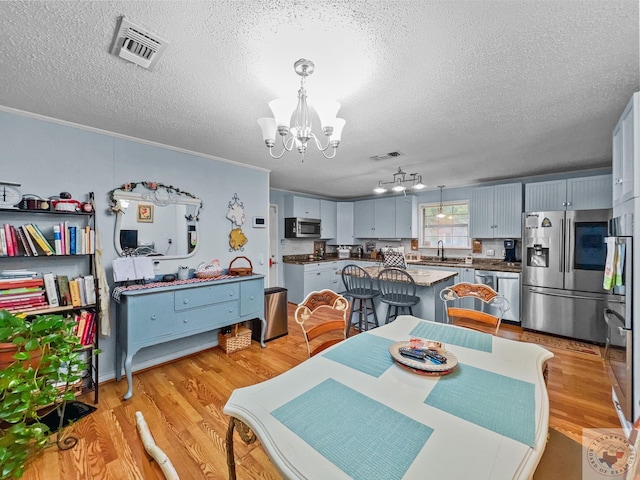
column 359, row 288
column 398, row 291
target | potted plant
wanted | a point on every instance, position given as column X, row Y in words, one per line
column 44, row 368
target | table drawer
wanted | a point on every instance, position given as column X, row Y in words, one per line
column 207, row 318
column 199, row 297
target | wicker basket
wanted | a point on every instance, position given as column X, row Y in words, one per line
column 240, row 271
column 239, row 339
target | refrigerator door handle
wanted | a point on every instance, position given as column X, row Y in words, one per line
column 561, row 262
column 569, row 247
column 566, row 296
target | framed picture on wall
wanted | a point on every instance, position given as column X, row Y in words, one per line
column 145, row 213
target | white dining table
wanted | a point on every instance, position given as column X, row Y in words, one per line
column 353, row 412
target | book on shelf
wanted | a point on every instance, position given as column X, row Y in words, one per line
column 3, row 243
column 22, row 236
column 32, row 245
column 20, row 282
column 42, row 305
column 39, row 238
column 10, row 291
column 65, row 234
column 72, row 240
column 57, row 239
column 8, row 240
column 22, row 298
column 19, row 273
column 81, row 324
column 63, row 290
column 90, row 289
column 50, row 288
column 83, row 295
column 74, row 289
column 89, row 338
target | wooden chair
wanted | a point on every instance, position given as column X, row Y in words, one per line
column 474, row 318
column 324, row 306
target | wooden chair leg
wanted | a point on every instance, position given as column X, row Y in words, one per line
column 350, row 317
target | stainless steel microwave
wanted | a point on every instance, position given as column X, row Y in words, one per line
column 301, row 228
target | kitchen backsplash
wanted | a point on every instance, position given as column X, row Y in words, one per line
column 305, row 246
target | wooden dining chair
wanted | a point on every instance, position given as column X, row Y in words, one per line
column 322, row 313
column 476, row 319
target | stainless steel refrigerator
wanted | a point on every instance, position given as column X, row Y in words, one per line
column 563, row 259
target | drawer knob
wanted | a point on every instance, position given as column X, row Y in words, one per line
column 185, row 301
column 230, row 309
column 251, row 297
column 185, row 320
column 153, row 317
column 231, row 293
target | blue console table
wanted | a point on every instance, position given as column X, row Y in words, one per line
column 150, row 316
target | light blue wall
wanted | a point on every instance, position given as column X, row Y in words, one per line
column 48, row 157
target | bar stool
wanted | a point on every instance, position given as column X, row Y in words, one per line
column 398, row 291
column 359, row 287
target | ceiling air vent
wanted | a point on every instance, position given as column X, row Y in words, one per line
column 386, row 156
column 138, row 45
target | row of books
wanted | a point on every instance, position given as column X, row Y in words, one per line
column 28, row 293
column 86, row 326
column 28, row 240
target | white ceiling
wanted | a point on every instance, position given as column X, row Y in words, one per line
column 469, row 91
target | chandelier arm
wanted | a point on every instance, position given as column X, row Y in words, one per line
column 286, row 148
column 335, row 149
column 313, row 135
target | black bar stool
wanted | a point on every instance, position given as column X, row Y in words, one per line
column 398, row 291
column 359, row 287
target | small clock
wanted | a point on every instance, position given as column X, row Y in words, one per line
column 10, row 195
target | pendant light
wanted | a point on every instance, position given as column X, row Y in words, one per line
column 440, row 212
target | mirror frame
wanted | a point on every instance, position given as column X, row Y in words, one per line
column 160, row 195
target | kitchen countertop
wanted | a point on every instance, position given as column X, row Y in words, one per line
column 423, row 278
column 478, row 264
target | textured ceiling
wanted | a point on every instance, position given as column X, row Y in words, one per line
column 468, row 91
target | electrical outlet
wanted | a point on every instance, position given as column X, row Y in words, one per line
column 491, row 252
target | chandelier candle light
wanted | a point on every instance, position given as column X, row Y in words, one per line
column 399, row 181
column 300, row 127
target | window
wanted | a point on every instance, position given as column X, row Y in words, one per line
column 453, row 229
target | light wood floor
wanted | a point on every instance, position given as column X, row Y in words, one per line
column 182, row 403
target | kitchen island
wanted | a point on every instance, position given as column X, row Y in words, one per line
column 429, row 284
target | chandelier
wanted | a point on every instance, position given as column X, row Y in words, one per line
column 298, row 122
column 400, row 182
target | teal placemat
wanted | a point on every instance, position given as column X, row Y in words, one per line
column 502, row 404
column 361, row 436
column 365, row 352
column 463, row 337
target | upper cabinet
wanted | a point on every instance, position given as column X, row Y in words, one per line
column 388, row 217
column 584, row 193
column 328, row 218
column 302, row 207
column 626, row 147
column 406, row 217
column 344, row 223
column 494, row 212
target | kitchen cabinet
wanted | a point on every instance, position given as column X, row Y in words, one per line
column 495, row 212
column 584, row 193
column 328, row 219
column 406, row 217
column 364, row 219
column 388, row 217
column 626, row 149
column 344, row 223
column 302, row 207
column 300, row 280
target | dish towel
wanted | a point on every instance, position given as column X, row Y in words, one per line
column 610, row 264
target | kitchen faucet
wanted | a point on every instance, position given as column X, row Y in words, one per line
column 440, row 251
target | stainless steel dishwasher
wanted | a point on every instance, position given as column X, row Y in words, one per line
column 506, row 284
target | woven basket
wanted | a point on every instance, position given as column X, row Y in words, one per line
column 240, row 271
column 239, row 339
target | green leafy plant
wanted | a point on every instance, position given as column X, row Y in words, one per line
column 42, row 373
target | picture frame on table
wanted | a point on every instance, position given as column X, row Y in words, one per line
column 145, row 213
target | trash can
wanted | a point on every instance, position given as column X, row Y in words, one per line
column 275, row 313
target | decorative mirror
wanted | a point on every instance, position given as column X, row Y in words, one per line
column 156, row 220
